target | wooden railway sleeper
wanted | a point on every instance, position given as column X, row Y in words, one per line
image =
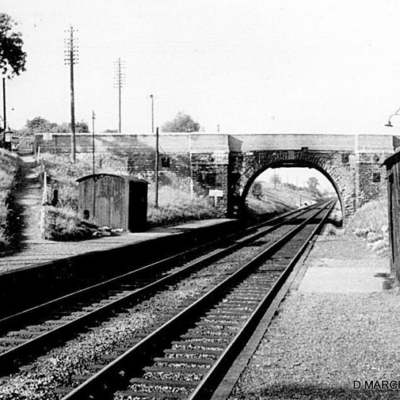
column 216, row 327
column 166, row 382
column 212, row 322
column 186, row 351
column 179, row 344
column 22, row 333
column 224, row 318
column 236, row 307
column 182, row 370
column 129, row 394
column 12, row 341
column 80, row 378
column 227, row 312
column 183, row 360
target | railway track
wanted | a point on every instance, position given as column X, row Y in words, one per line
column 185, row 358
column 197, row 340
column 32, row 332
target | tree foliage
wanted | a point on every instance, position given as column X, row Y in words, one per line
column 256, row 190
column 12, row 57
column 276, row 180
column 41, row 125
column 181, row 123
column 312, row 183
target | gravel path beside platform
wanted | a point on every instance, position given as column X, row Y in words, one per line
column 334, row 336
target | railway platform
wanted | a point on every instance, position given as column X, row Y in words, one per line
column 36, row 252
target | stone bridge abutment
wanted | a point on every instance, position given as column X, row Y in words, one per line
column 338, row 168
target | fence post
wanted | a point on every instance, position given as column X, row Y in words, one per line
column 44, row 202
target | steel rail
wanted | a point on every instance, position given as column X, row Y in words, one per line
column 133, row 360
column 11, row 359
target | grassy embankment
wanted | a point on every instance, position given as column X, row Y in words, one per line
column 370, row 222
column 62, row 222
column 10, row 178
column 278, row 199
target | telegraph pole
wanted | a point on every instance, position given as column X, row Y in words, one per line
column 94, row 160
column 71, row 54
column 152, row 113
column 119, row 83
column 156, row 169
column 4, row 105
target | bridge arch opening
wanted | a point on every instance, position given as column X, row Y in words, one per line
column 284, row 185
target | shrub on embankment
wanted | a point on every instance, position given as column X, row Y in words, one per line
column 10, row 178
column 176, row 204
column 370, row 222
column 63, row 224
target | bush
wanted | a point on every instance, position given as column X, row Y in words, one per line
column 370, row 222
column 63, row 224
column 177, row 206
column 372, row 217
column 10, row 178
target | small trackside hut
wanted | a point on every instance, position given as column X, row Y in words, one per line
column 393, row 178
column 114, row 201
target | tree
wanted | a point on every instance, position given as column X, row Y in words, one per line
column 256, row 190
column 276, row 179
column 12, row 57
column 312, row 183
column 181, row 123
column 38, row 125
column 81, row 127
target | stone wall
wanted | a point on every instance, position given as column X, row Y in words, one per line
column 372, row 183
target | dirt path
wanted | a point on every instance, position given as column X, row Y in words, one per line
column 30, row 199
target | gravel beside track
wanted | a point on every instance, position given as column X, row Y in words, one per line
column 331, row 340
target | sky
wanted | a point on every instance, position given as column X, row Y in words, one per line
column 240, row 66
column 297, row 176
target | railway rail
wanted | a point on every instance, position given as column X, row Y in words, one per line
column 33, row 331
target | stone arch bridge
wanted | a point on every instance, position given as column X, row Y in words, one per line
column 226, row 165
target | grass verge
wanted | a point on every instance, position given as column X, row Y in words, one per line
column 10, row 222
column 62, row 224
column 370, row 222
column 177, row 206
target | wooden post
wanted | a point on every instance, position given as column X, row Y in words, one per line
column 4, row 105
column 156, row 169
column 93, row 149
